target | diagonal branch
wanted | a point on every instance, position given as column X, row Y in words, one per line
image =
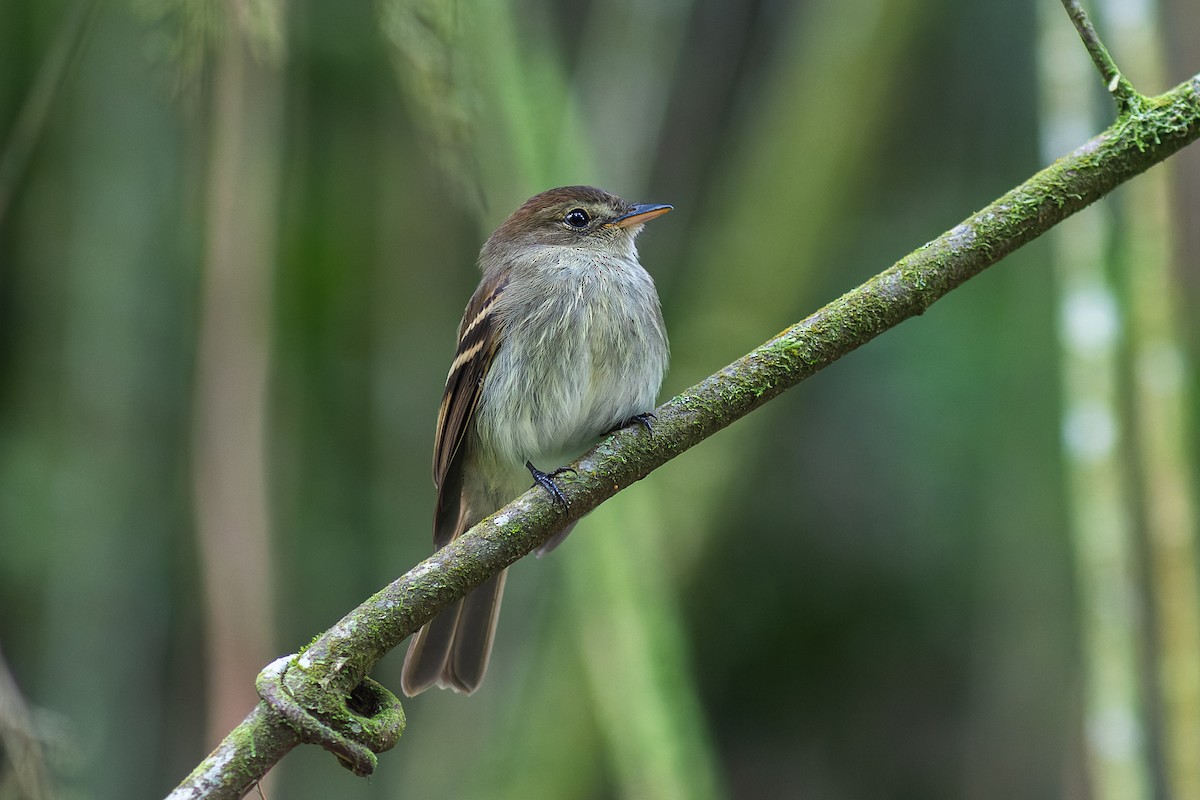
column 328, row 675
column 1117, row 84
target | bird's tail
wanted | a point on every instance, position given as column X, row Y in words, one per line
column 453, row 649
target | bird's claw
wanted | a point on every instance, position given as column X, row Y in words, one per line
column 640, row 419
column 644, row 421
column 546, row 481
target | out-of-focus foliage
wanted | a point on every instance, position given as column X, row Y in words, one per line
column 867, row 589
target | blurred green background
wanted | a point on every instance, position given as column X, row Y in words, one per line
column 235, row 242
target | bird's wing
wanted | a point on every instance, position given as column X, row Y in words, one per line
column 477, row 344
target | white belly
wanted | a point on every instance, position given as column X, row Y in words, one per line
column 596, row 368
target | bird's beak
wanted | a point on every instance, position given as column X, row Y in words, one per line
column 642, row 212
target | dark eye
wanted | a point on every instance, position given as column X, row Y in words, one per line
column 577, row 218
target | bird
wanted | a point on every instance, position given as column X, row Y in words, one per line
column 562, row 342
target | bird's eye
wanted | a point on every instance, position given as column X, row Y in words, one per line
column 577, row 218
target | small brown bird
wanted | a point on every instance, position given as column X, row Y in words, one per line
column 562, row 342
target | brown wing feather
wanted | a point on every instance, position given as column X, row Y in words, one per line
column 477, row 343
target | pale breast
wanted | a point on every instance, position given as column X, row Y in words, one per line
column 574, row 363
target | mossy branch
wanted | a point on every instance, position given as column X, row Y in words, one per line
column 329, row 677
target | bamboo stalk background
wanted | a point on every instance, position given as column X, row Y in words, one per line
column 867, row 590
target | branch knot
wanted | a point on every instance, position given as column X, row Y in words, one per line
column 354, row 728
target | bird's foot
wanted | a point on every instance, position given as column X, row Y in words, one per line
column 546, row 481
column 644, row 421
column 640, row 419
